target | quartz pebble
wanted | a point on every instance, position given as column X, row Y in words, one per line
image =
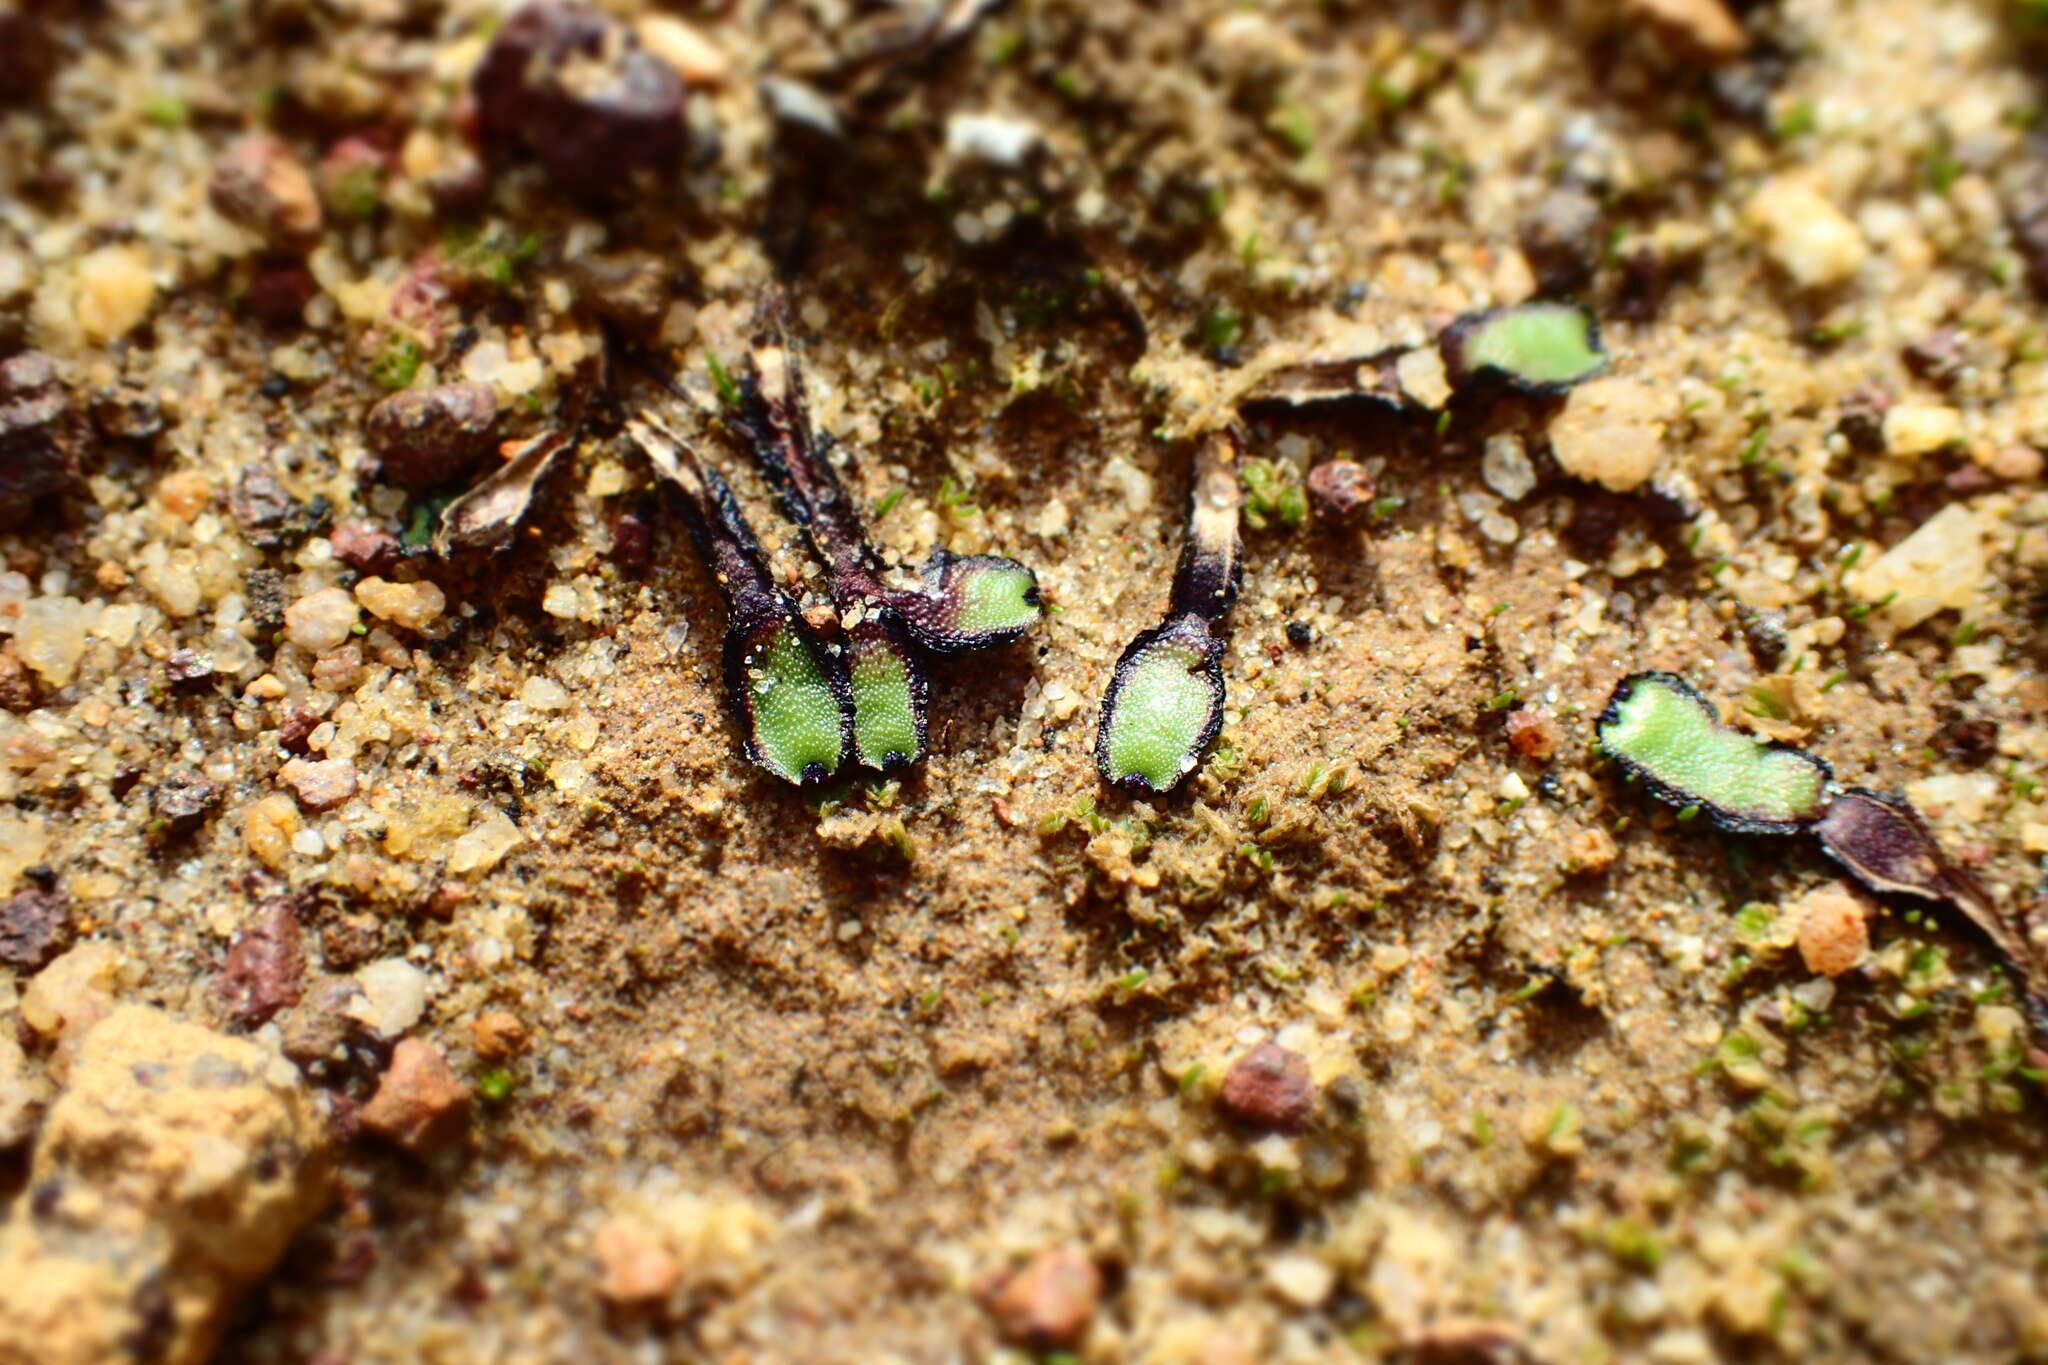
column 394, row 996
column 413, row 606
column 321, row 785
column 1505, row 466
column 322, row 620
column 1805, row 235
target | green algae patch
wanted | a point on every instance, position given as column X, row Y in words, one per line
column 1665, row 733
column 1164, row 707
column 1541, row 348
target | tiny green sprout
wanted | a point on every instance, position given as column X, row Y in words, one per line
column 397, row 364
column 1131, row 980
column 886, row 504
column 1666, row 734
column 1221, row 327
column 721, row 379
column 495, row 1085
column 1797, row 120
column 167, row 111
column 1541, row 348
column 1273, row 495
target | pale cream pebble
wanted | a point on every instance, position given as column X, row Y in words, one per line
column 1804, row 234
column 1918, row 428
column 544, row 694
column 183, row 493
column 394, row 996
column 1943, row 564
column 1611, row 432
column 267, row 828
column 113, row 292
column 635, row 1266
column 320, row 785
column 413, row 606
column 2034, row 836
column 695, row 57
column 1834, row 936
column 65, row 999
column 23, row 1093
column 49, row 636
column 2015, row 463
column 484, row 844
column 321, row 620
column 1301, row 1279
column 266, row 687
column 1705, row 26
column 24, row 843
column 1421, row 372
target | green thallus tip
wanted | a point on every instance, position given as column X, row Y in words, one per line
column 1165, row 705
column 1667, row 734
column 885, row 705
column 997, row 597
column 1542, row 347
column 796, row 719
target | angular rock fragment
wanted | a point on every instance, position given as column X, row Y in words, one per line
column 579, row 90
column 40, row 436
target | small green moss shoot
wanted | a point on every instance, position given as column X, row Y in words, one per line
column 1665, row 733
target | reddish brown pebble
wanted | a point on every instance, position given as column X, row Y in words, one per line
column 426, row 437
column 578, row 89
column 419, row 1105
column 317, row 1028
column 1269, row 1087
column 1340, row 491
column 17, row 684
column 262, row 970
column 1833, row 934
column 39, row 436
column 298, row 728
column 258, row 183
column 35, row 927
column 1046, row 1305
column 370, row 550
column 443, row 901
column 1532, row 734
column 279, row 292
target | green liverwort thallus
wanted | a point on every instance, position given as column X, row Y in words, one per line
column 1165, row 701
